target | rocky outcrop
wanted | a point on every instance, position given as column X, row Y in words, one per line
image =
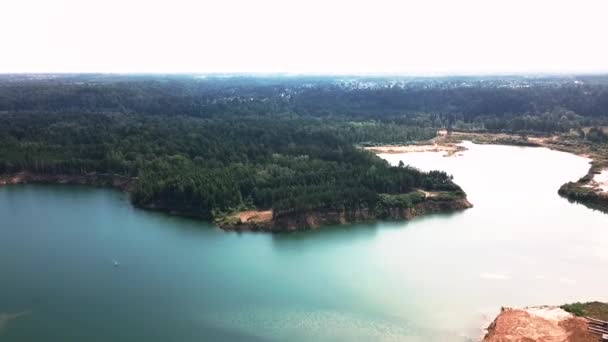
column 319, row 218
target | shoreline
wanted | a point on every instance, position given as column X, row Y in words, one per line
column 584, row 191
column 449, row 149
column 590, row 190
column 546, row 323
column 252, row 220
column 267, row 221
column 118, row 182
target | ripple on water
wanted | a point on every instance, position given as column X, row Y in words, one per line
column 319, row 325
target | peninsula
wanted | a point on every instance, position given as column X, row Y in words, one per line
column 297, row 152
column 590, row 190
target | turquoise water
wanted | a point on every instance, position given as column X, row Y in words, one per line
column 437, row 278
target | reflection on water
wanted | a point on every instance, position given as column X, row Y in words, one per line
column 5, row 318
column 435, row 278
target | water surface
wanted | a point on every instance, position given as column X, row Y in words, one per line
column 437, row 278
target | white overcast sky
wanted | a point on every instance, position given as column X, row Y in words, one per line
column 304, row 36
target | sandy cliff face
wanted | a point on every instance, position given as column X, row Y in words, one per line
column 316, row 219
column 313, row 220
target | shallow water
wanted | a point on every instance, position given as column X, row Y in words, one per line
column 437, row 278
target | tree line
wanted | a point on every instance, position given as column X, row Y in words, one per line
column 213, row 145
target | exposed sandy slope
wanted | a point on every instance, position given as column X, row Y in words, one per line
column 539, row 324
column 255, row 216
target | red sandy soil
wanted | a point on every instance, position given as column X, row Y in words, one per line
column 255, row 216
column 542, row 324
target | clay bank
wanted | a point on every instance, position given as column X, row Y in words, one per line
column 426, row 203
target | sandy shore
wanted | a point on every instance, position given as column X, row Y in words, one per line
column 414, row 148
column 450, row 143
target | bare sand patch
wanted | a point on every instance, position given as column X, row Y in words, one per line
column 550, row 313
column 434, row 147
column 429, row 194
column 255, row 216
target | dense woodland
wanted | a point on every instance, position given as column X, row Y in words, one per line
column 211, row 145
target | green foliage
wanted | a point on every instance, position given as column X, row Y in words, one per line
column 210, row 146
column 597, row 310
column 375, row 106
column 205, row 167
column 597, row 135
column 406, row 200
column 577, row 309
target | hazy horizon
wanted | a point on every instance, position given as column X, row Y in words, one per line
column 385, row 37
column 312, row 74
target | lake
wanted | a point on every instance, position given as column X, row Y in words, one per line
column 435, row 278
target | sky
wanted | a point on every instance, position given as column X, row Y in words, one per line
column 426, row 37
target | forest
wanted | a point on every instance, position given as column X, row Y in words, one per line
column 215, row 144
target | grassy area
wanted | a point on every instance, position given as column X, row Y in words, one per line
column 447, row 196
column 597, row 310
column 401, row 200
